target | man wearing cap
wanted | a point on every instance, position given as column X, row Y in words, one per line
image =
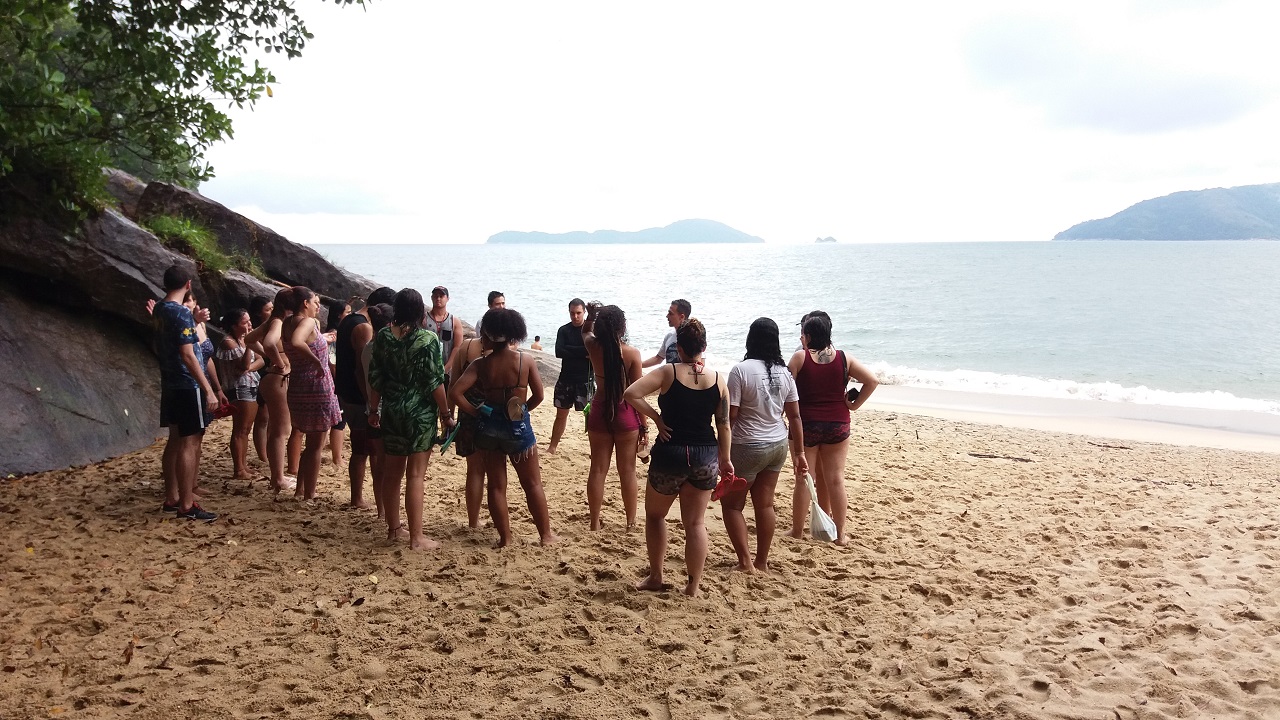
column 446, row 327
column 573, row 388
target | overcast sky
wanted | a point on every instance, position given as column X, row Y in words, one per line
column 870, row 122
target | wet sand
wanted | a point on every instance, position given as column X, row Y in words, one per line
column 995, row 572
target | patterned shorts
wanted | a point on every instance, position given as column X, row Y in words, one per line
column 817, row 432
column 671, row 466
column 571, row 395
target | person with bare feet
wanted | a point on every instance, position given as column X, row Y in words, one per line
column 238, row 368
column 761, row 393
column 187, row 400
column 821, row 374
column 313, row 408
column 503, row 379
column 406, row 398
column 613, row 427
column 573, row 387
column 464, row 443
column 380, row 316
column 689, row 456
column 354, row 332
column 273, row 387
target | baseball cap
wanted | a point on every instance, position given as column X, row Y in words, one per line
column 440, row 290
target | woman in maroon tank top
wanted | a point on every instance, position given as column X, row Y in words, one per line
column 821, row 374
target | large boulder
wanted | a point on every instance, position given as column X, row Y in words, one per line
column 76, row 386
column 110, row 265
column 126, row 189
column 283, row 260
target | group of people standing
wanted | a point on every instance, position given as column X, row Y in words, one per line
column 405, row 380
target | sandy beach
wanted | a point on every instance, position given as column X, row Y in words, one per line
column 995, row 572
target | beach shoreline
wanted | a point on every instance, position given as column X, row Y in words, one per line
column 1194, row 427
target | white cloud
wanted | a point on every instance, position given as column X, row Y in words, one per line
column 865, row 122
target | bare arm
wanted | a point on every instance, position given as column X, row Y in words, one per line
column 458, row 390
column 637, row 393
column 860, row 373
column 796, row 362
column 360, row 336
column 795, row 436
column 188, row 354
column 298, row 340
column 724, row 433
column 536, row 391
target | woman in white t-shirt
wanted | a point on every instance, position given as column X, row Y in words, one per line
column 761, row 392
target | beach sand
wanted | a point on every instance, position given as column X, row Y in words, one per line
column 995, row 572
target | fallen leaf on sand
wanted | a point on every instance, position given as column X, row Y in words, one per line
column 128, row 653
column 373, row 579
column 302, row 571
column 315, row 624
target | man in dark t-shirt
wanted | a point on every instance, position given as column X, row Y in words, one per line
column 187, row 401
column 573, row 388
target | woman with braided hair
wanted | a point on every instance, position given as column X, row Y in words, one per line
column 613, row 426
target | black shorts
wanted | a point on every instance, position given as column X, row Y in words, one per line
column 571, row 395
column 184, row 409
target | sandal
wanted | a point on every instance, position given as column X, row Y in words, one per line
column 728, row 484
column 515, row 409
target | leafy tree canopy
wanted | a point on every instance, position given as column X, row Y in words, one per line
column 134, row 83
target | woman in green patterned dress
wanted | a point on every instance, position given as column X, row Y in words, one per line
column 406, row 395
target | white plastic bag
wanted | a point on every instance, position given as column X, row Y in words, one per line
column 819, row 522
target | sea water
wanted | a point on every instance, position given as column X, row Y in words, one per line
column 1193, row 324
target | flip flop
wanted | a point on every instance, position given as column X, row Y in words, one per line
column 728, row 484
column 449, row 440
column 515, row 409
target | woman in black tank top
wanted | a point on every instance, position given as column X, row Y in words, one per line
column 690, row 454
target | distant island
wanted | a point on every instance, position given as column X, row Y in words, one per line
column 825, row 240
column 683, row 231
column 1247, row 212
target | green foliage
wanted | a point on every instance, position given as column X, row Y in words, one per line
column 137, row 84
column 191, row 238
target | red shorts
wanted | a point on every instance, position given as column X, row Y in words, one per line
column 625, row 418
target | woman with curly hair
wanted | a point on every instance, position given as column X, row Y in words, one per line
column 613, row 426
column 689, row 456
column 510, row 387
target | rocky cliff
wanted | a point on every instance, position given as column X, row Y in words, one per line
column 78, row 380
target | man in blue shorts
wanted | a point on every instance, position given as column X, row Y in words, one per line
column 573, row 388
column 187, row 401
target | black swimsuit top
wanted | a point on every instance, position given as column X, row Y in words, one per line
column 688, row 412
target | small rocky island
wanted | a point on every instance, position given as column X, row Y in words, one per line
column 683, row 231
column 1247, row 212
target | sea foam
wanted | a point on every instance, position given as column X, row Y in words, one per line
column 989, row 382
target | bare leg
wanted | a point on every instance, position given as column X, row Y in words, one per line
column 336, row 439
column 474, row 488
column 277, row 429
column 260, row 431
column 656, row 506
column 762, row 492
column 800, row 496
column 169, row 467
column 495, row 467
column 731, row 505
column 187, row 468
column 557, row 429
column 377, row 460
column 393, row 467
column 242, row 416
column 309, row 467
column 833, row 459
column 693, row 509
column 530, row 473
column 625, row 449
column 295, row 452
column 601, row 450
column 417, row 471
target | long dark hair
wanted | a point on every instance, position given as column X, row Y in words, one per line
column 408, row 309
column 763, row 344
column 610, row 328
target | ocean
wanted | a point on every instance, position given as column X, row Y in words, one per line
column 1189, row 324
